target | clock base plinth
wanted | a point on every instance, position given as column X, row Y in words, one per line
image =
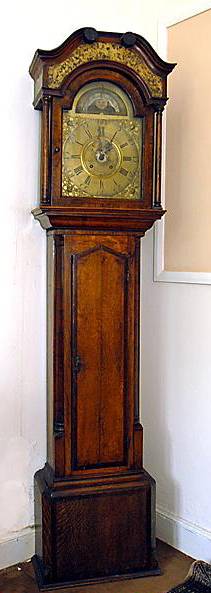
column 88, row 533
column 48, row 586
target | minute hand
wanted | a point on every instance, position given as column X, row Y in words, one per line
column 105, row 146
column 114, row 135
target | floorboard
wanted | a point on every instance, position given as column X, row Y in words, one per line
column 174, row 567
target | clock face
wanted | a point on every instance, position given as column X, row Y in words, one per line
column 101, row 151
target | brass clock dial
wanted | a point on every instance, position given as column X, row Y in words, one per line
column 101, row 153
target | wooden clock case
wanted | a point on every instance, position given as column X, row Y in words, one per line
column 95, row 504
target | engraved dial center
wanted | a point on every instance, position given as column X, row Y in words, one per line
column 101, row 157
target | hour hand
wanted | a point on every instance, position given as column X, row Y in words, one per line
column 109, row 146
column 106, row 145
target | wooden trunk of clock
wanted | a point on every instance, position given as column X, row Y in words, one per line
column 101, row 107
column 99, row 521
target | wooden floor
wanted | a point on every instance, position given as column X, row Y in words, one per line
column 174, row 567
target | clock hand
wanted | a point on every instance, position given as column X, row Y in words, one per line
column 105, row 146
column 108, row 146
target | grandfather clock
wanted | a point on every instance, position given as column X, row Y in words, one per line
column 101, row 97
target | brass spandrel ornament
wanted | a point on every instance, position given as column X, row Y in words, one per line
column 86, row 53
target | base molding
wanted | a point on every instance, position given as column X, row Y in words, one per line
column 19, row 547
column 189, row 538
column 40, row 576
column 175, row 531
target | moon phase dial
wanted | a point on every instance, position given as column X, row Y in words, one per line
column 101, row 157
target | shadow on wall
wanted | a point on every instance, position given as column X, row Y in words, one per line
column 158, row 368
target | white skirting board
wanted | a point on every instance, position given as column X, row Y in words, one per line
column 182, row 535
column 17, row 548
column 187, row 537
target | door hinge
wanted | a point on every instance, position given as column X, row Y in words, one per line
column 58, row 429
column 128, row 439
column 77, row 364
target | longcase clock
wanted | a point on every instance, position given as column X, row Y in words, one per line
column 101, row 97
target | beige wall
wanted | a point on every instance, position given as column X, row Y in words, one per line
column 188, row 165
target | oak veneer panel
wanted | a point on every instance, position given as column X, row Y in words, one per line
column 99, row 300
column 98, row 313
column 92, row 539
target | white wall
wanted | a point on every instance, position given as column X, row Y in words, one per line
column 176, row 388
column 176, row 406
column 175, row 321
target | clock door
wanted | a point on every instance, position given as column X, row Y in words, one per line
column 98, row 315
column 97, row 146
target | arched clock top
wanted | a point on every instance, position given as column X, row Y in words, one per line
column 130, row 53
